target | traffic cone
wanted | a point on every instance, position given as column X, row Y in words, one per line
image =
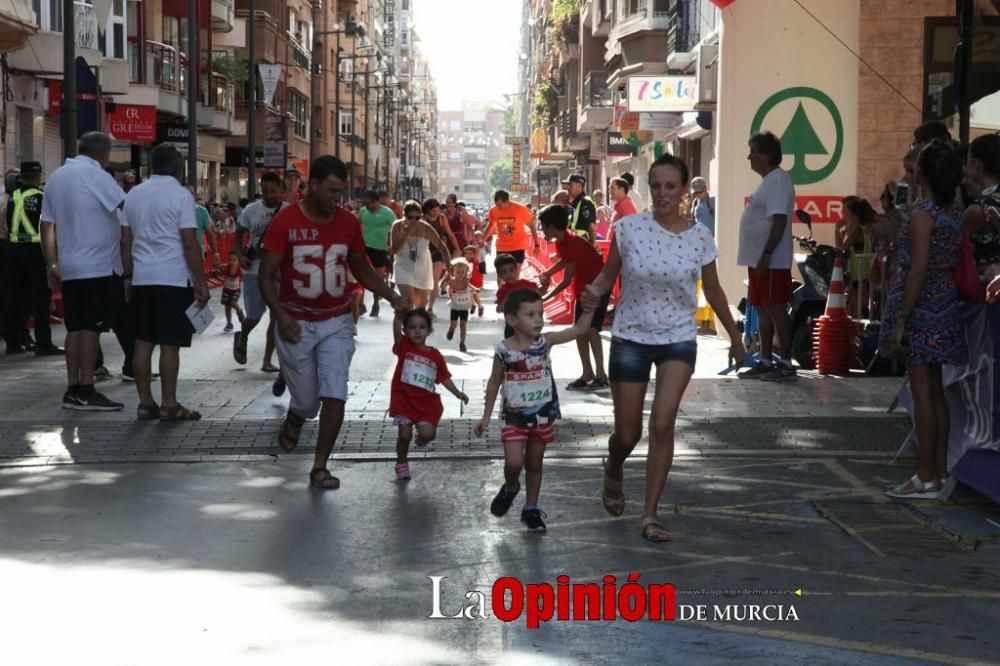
column 835, row 330
column 836, row 300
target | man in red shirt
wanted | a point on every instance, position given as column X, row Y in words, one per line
column 581, row 264
column 313, row 245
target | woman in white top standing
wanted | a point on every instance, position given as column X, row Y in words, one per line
column 410, row 240
column 660, row 255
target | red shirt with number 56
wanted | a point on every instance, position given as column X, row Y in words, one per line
column 314, row 264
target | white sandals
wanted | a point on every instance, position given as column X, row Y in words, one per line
column 914, row 488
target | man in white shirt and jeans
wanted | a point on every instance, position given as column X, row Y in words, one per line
column 81, row 207
column 252, row 225
column 161, row 254
column 766, row 249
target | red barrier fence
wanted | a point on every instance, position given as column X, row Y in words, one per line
column 224, row 244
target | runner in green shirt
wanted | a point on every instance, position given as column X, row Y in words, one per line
column 204, row 221
column 376, row 220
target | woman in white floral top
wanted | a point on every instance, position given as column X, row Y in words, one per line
column 660, row 255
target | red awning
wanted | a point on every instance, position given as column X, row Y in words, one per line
column 722, row 4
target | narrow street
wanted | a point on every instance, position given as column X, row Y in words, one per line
column 120, row 533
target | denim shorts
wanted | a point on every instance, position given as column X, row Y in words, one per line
column 631, row 361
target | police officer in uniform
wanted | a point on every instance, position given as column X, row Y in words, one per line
column 584, row 215
column 26, row 275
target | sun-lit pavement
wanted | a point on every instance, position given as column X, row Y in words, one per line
column 219, row 553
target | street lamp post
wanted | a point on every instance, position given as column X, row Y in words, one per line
column 351, row 29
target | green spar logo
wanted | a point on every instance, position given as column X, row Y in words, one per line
column 799, row 138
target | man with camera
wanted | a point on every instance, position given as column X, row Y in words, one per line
column 252, row 225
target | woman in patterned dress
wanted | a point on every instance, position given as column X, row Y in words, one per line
column 922, row 318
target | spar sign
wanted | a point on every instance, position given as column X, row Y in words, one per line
column 811, row 158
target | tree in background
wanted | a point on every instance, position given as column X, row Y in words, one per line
column 501, row 175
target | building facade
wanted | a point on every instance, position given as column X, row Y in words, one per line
column 362, row 94
column 472, row 141
column 843, row 83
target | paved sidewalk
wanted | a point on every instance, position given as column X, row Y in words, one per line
column 241, row 417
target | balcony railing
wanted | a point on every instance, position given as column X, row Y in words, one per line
column 165, row 67
column 216, row 92
column 596, row 93
column 300, row 56
column 566, row 121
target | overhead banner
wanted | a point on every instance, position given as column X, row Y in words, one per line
column 269, row 76
column 671, row 94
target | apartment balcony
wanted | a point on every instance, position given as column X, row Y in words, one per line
column 300, row 56
column 645, row 19
column 223, row 15
column 215, row 105
column 44, row 54
column 16, row 24
column 595, row 15
column 638, row 42
column 164, row 85
column 596, row 102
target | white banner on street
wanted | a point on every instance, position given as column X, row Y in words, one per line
column 269, row 75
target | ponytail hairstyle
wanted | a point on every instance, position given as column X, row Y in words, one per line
column 941, row 166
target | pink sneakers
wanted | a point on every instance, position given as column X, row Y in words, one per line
column 402, row 472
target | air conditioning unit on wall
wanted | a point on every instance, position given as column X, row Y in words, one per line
column 707, row 77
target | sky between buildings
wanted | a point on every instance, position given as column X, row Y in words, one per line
column 472, row 47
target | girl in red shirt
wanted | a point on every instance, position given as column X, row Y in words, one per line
column 413, row 399
column 476, row 276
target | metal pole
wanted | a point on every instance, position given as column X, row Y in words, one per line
column 354, row 130
column 368, row 148
column 252, row 106
column 336, row 100
column 314, row 84
column 965, row 19
column 193, row 57
column 69, row 79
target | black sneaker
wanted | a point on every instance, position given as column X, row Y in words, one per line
column 97, row 402
column 15, row 349
column 450, row 335
column 278, row 387
column 239, row 348
column 50, row 350
column 532, row 518
column 374, row 310
column 501, row 503
column 70, row 401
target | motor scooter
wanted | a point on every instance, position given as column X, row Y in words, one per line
column 815, row 264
